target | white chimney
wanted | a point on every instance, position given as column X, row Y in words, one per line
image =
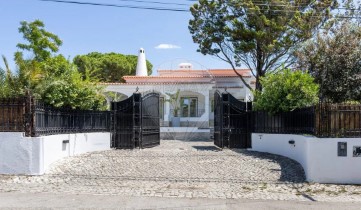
column 142, row 64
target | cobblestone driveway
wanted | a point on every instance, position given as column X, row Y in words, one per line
column 181, row 169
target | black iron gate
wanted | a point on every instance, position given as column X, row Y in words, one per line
column 135, row 122
column 218, row 120
column 232, row 122
column 150, row 121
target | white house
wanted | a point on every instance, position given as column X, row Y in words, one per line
column 197, row 88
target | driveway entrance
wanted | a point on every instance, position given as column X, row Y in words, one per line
column 183, row 161
column 180, row 169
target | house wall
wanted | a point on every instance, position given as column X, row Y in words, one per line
column 34, row 155
column 318, row 156
column 202, row 91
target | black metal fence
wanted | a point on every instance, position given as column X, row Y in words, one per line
column 323, row 120
column 49, row 120
column 12, row 114
column 36, row 119
column 299, row 121
column 338, row 120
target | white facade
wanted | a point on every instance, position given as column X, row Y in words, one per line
column 318, row 156
column 34, row 155
column 196, row 87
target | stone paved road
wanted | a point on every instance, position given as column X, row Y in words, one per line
column 181, row 169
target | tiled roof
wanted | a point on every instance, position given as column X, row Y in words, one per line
column 183, row 76
column 229, row 72
column 149, row 82
column 204, row 73
column 166, row 77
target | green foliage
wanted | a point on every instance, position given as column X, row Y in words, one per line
column 334, row 59
column 108, row 67
column 10, row 86
column 51, row 78
column 286, row 90
column 3, row 86
column 115, row 97
column 260, row 34
column 65, row 87
column 41, row 42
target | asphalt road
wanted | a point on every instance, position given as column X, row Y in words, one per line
column 15, row 200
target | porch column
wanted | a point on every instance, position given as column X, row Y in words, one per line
column 166, row 109
column 206, row 105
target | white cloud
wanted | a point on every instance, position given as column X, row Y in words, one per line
column 167, row 46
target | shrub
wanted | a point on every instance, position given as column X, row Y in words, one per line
column 286, row 90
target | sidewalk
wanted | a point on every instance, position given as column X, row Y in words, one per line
column 13, row 200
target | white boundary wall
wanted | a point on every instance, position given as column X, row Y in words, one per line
column 34, row 155
column 318, row 156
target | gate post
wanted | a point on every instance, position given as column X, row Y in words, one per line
column 29, row 116
column 137, row 118
column 226, row 119
column 218, row 120
column 113, row 123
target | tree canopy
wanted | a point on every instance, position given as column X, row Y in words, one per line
column 64, row 86
column 260, row 34
column 108, row 67
column 49, row 77
column 334, row 59
column 41, row 42
column 286, row 90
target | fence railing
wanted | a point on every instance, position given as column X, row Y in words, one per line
column 299, row 121
column 338, row 120
column 12, row 114
column 323, row 120
column 50, row 121
column 36, row 119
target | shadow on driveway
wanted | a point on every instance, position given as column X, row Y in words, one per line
column 291, row 170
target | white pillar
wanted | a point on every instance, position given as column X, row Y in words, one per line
column 206, row 105
column 166, row 109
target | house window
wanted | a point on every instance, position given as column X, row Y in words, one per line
column 189, row 106
column 161, row 108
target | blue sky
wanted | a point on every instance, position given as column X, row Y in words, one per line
column 85, row 28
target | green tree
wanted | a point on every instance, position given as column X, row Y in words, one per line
column 41, row 42
column 11, row 85
column 41, row 45
column 4, row 92
column 286, row 90
column 108, row 67
column 334, row 59
column 259, row 34
column 64, row 86
column 50, row 78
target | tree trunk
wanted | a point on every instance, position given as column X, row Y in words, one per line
column 259, row 72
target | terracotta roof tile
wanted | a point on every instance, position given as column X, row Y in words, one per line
column 205, row 73
column 171, row 76
column 153, row 83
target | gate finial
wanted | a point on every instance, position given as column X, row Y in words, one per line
column 137, row 89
